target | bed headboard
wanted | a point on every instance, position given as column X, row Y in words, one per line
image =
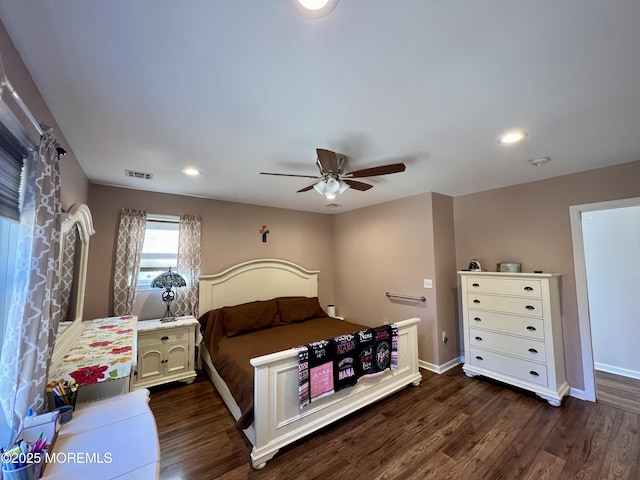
column 260, row 279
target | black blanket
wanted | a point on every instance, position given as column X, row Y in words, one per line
column 328, row 366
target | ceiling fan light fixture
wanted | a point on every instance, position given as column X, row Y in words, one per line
column 330, row 195
column 343, row 187
column 332, row 185
column 319, row 187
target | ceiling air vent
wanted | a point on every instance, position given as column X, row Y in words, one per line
column 142, row 175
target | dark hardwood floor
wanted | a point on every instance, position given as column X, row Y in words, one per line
column 450, row 427
column 618, row 391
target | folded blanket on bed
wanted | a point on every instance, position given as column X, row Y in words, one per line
column 328, row 366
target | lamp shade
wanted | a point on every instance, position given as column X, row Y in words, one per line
column 169, row 279
column 319, row 187
column 332, row 185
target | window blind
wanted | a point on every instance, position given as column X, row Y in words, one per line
column 15, row 145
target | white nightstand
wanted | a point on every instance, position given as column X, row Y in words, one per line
column 166, row 352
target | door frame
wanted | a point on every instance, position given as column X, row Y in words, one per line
column 582, row 293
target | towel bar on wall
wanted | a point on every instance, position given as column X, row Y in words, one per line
column 406, row 297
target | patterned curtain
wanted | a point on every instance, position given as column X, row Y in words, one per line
column 188, row 265
column 35, row 306
column 128, row 253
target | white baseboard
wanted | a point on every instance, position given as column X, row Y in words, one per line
column 573, row 392
column 439, row 368
column 625, row 372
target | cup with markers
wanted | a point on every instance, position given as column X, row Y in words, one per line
column 24, row 460
column 64, row 392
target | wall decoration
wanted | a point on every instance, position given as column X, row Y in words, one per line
column 264, row 231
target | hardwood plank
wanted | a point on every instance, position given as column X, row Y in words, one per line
column 592, row 441
column 623, row 453
column 546, row 466
column 618, row 391
column 450, row 426
column 524, row 451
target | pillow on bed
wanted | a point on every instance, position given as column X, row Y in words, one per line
column 299, row 309
column 251, row 316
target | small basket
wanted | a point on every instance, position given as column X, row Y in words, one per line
column 66, row 413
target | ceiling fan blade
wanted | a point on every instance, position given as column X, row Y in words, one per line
column 289, row 175
column 375, row 171
column 361, row 186
column 328, row 160
column 306, row 189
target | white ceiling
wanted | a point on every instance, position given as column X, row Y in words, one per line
column 235, row 87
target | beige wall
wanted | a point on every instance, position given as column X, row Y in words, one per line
column 391, row 247
column 74, row 182
column 444, row 254
column 529, row 224
column 230, row 235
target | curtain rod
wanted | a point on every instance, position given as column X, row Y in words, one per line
column 25, row 109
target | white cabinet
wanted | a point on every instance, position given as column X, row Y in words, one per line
column 166, row 352
column 513, row 332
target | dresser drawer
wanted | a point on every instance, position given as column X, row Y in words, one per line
column 160, row 336
column 520, row 306
column 502, row 322
column 522, row 347
column 506, row 286
column 522, row 369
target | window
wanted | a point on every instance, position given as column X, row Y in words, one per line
column 8, row 247
column 160, row 248
column 15, row 145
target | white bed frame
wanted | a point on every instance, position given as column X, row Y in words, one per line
column 278, row 420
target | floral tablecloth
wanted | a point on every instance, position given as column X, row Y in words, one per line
column 104, row 351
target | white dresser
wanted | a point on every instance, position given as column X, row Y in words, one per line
column 513, row 330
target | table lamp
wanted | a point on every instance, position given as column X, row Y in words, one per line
column 167, row 280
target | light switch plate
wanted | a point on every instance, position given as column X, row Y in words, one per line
column 428, row 283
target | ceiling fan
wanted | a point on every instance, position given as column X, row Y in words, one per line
column 333, row 180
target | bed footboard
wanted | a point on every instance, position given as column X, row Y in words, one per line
column 278, row 418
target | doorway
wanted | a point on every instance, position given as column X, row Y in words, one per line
column 603, row 273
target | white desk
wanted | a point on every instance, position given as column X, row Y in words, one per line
column 112, row 438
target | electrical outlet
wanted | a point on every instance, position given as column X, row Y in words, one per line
column 428, row 283
column 445, row 339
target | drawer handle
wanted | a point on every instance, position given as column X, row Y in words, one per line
column 164, row 338
column 479, row 339
column 478, row 357
column 477, row 319
column 534, row 373
column 528, row 289
column 476, row 301
column 531, row 329
column 530, row 307
column 533, row 350
column 475, row 285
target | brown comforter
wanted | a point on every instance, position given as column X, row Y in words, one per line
column 231, row 355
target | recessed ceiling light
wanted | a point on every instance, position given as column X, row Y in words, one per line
column 313, row 8
column 512, row 136
column 536, row 162
column 194, row 172
column 313, row 4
